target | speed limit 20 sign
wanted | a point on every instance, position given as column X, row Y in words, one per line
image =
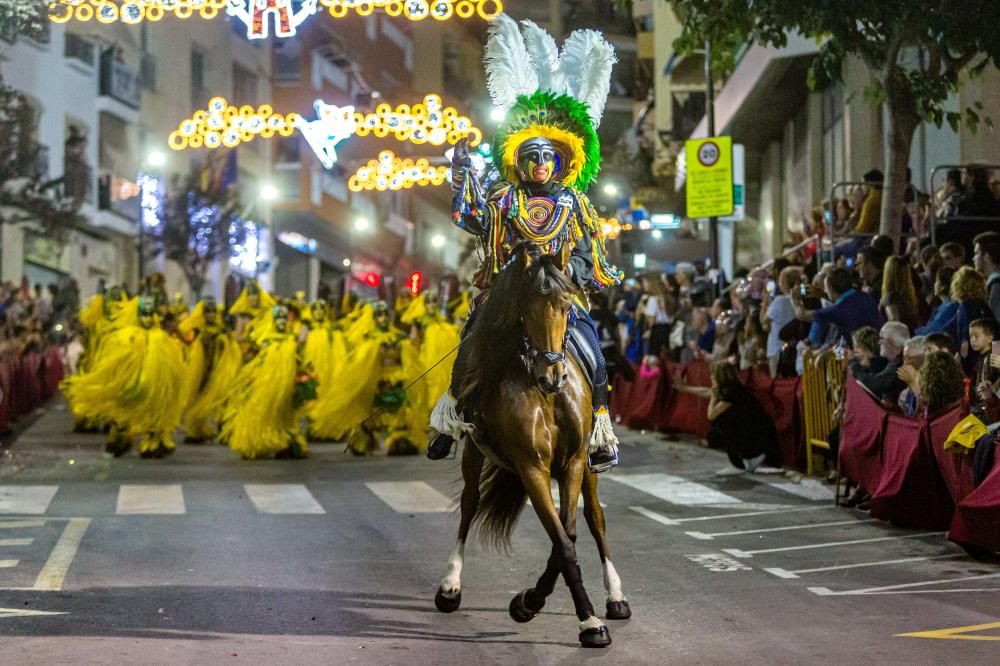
column 709, row 179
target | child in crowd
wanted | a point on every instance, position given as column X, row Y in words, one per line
column 936, row 342
column 864, row 354
column 740, row 426
column 982, row 333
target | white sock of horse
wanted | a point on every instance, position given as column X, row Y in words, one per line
column 451, row 585
column 612, row 583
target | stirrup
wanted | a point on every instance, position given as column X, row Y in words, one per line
column 604, row 460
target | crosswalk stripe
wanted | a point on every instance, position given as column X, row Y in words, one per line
column 8, row 564
column 282, row 498
column 20, row 524
column 809, row 489
column 674, row 489
column 411, row 496
column 31, row 500
column 16, row 542
column 151, row 499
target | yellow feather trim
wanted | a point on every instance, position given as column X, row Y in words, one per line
column 570, row 143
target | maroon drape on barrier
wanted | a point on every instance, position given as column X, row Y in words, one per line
column 5, row 384
column 646, row 399
column 955, row 466
column 861, row 437
column 912, row 492
column 686, row 412
column 977, row 516
column 779, row 399
column 52, row 372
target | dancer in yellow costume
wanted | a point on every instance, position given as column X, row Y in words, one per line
column 134, row 384
column 325, row 352
column 97, row 319
column 380, row 366
column 221, row 360
column 253, row 311
column 261, row 418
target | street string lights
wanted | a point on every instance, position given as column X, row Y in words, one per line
column 266, row 18
column 389, row 172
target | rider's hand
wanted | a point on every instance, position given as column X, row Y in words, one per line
column 460, row 156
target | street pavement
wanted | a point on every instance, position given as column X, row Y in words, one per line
column 204, row 558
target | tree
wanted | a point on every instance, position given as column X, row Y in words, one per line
column 200, row 223
column 25, row 18
column 24, row 196
column 955, row 38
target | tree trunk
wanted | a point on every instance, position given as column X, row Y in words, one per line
column 903, row 123
column 196, row 281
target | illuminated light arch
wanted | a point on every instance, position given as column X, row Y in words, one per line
column 224, row 125
column 390, row 172
column 264, row 18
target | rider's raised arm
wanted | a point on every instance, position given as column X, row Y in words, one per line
column 469, row 197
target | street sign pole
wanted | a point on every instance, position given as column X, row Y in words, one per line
column 713, row 222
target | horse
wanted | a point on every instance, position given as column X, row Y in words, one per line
column 532, row 408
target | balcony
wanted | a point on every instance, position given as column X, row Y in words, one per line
column 80, row 51
column 119, row 82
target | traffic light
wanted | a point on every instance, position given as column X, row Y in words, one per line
column 372, row 279
column 415, row 282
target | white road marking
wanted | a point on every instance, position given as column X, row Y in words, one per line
column 666, row 520
column 809, row 489
column 20, row 524
column 783, row 573
column 736, row 552
column 16, row 542
column 784, row 528
column 54, row 572
column 652, row 515
column 283, row 498
column 675, row 489
column 885, row 589
column 21, row 612
column 411, row 496
column 8, row 564
column 30, row 500
column 151, row 500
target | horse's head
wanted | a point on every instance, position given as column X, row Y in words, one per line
column 546, row 296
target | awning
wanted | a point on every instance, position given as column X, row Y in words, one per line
column 765, row 90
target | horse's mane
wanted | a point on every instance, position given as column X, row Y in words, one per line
column 495, row 337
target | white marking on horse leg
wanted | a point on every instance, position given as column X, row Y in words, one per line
column 591, row 622
column 451, row 584
column 612, row 583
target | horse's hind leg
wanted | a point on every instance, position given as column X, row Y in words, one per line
column 449, row 594
column 593, row 633
column 616, row 607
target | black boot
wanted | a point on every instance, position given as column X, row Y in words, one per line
column 440, row 446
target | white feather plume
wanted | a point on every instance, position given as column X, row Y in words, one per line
column 588, row 58
column 509, row 69
column 545, row 57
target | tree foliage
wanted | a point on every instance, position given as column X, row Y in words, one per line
column 916, row 52
column 200, row 224
column 25, row 197
column 26, row 18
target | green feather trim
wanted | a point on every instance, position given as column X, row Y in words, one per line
column 563, row 112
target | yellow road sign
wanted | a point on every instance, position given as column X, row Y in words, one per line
column 709, row 178
column 959, row 633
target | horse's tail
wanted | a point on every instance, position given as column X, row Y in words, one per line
column 502, row 496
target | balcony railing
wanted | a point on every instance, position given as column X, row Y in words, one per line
column 120, row 82
column 79, row 49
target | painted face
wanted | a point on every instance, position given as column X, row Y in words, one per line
column 382, row 316
column 318, row 310
column 280, row 314
column 147, row 310
column 536, row 161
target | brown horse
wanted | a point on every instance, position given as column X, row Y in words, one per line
column 532, row 408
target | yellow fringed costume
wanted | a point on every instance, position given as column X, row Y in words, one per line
column 134, row 384
column 375, row 380
column 261, row 418
column 213, row 359
column 325, row 352
column 439, row 342
column 254, row 304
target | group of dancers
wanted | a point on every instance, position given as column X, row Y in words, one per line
column 265, row 377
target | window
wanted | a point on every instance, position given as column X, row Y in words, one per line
column 244, row 86
column 78, row 48
column 287, row 61
column 198, row 78
column 833, row 136
column 287, row 150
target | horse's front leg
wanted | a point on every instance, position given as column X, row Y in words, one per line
column 593, row 633
column 449, row 594
column 616, row 607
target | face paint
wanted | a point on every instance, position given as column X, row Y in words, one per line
column 147, row 309
column 319, row 311
column 280, row 314
column 536, row 161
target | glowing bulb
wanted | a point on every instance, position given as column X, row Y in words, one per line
column 611, row 189
column 498, row 114
column 156, row 158
column 657, row 234
column 362, row 224
column 438, row 241
column 347, row 263
column 269, row 192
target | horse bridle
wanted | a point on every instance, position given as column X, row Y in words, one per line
column 530, row 354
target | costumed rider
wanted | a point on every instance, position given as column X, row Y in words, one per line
column 548, row 153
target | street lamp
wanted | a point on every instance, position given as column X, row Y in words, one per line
column 347, row 263
column 497, row 114
column 611, row 190
column 438, row 241
column 268, row 192
column 362, row 224
column 156, row 158
column 657, row 234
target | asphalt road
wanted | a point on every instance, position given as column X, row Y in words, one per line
column 205, row 559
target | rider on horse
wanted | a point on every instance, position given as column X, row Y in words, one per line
column 547, row 152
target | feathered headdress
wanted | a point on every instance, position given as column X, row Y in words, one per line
column 558, row 96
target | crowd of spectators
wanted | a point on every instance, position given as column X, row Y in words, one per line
column 920, row 329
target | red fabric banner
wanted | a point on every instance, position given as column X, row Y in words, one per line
column 861, row 437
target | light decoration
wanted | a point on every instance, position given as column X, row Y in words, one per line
column 417, row 10
column 149, row 201
column 389, row 172
column 611, row 228
column 333, row 124
column 259, row 15
column 415, row 282
column 224, row 125
column 245, row 255
column 427, row 122
column 133, row 11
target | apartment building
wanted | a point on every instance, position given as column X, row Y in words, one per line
column 125, row 88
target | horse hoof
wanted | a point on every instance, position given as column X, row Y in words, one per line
column 618, row 610
column 447, row 604
column 518, row 611
column 598, row 637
